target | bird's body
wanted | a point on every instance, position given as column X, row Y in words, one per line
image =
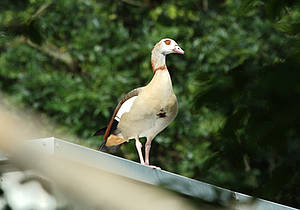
column 146, row 111
column 152, row 110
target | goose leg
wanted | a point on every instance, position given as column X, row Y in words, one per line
column 147, row 153
column 138, row 146
column 147, row 150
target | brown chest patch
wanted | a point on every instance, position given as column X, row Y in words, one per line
column 161, row 114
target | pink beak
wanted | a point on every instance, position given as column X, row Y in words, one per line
column 177, row 49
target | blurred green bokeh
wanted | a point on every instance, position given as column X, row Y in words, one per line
column 238, row 85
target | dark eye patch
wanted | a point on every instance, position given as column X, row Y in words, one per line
column 167, row 42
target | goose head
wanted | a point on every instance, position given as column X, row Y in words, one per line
column 167, row 46
column 161, row 49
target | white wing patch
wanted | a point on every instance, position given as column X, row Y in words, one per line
column 126, row 106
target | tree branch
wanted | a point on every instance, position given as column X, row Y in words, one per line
column 205, row 5
column 41, row 11
column 135, row 3
column 53, row 52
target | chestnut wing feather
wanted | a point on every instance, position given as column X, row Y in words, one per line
column 129, row 95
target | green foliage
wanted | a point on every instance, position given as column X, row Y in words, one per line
column 237, row 84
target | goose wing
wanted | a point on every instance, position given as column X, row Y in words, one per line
column 123, row 106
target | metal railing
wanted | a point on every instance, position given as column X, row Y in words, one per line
column 135, row 171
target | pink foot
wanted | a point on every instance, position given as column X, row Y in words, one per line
column 152, row 166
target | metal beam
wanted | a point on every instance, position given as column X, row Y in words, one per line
column 132, row 170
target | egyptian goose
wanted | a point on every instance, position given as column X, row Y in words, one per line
column 145, row 111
